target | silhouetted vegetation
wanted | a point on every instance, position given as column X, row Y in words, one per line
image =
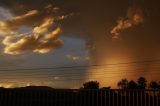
column 106, row 88
column 132, row 85
column 123, row 84
column 90, row 95
column 142, row 83
column 91, row 85
column 154, row 85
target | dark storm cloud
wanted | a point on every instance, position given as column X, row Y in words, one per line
column 94, row 22
column 97, row 18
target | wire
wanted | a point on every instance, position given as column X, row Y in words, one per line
column 71, row 72
column 78, row 79
column 133, row 62
column 78, row 75
column 73, row 76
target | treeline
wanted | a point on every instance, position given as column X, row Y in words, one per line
column 89, row 95
column 141, row 83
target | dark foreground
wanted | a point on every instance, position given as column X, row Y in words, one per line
column 45, row 96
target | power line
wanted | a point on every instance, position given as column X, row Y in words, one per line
column 78, row 68
column 78, row 79
column 85, row 66
column 77, row 75
column 78, row 71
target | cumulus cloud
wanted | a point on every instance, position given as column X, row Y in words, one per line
column 77, row 57
column 73, row 57
column 43, row 36
column 134, row 17
column 40, row 40
column 31, row 18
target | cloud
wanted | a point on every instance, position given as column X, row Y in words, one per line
column 134, row 17
column 56, row 78
column 73, row 57
column 42, row 38
column 77, row 57
column 31, row 19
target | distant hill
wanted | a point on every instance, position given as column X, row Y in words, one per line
column 29, row 88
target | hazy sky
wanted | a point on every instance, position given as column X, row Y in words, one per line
column 64, row 33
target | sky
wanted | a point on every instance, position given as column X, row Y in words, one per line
column 64, row 43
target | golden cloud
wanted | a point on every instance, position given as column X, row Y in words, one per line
column 43, row 37
column 40, row 40
column 134, row 17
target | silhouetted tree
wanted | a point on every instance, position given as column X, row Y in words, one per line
column 154, row 85
column 91, row 85
column 142, row 83
column 106, row 88
column 123, row 84
column 132, row 85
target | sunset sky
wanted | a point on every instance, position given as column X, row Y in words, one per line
column 63, row 43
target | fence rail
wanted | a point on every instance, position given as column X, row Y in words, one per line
column 76, row 97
